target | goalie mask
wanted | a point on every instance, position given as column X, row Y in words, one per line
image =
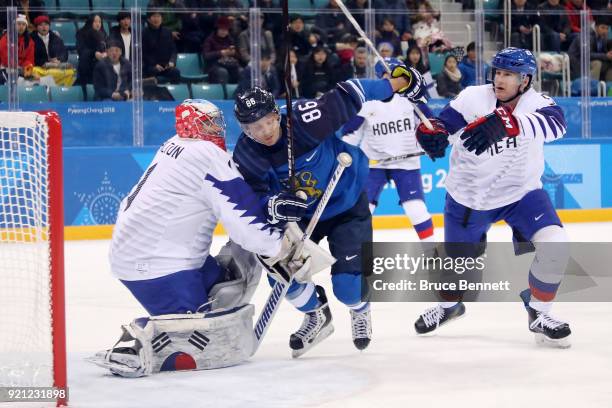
column 200, row 119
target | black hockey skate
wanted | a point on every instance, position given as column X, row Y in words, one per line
column 316, row 327
column 436, row 316
column 548, row 331
column 361, row 325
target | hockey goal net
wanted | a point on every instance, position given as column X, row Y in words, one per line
column 32, row 322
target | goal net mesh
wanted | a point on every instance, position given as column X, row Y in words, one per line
column 26, row 352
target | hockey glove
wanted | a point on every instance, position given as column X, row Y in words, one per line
column 484, row 132
column 416, row 89
column 433, row 141
column 288, row 263
column 285, row 207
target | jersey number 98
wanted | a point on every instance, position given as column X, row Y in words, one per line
column 311, row 114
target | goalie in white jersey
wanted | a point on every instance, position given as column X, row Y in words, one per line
column 160, row 252
column 494, row 174
column 385, row 131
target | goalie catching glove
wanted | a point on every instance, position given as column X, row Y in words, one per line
column 433, row 141
column 289, row 264
column 484, row 132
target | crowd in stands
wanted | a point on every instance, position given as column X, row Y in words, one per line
column 324, row 47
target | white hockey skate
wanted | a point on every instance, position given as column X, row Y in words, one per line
column 316, row 327
column 361, row 325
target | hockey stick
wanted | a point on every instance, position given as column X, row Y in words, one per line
column 373, row 162
column 280, row 288
column 290, row 152
column 365, row 38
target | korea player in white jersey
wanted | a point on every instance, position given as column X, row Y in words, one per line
column 160, row 252
column 385, row 131
column 494, row 174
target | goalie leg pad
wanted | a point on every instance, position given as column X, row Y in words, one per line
column 181, row 342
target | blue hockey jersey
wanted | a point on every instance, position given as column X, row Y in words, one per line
column 316, row 146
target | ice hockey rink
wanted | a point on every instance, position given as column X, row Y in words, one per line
column 486, row 359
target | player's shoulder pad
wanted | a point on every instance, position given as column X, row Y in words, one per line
column 533, row 100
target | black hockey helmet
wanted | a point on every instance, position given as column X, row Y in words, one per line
column 253, row 104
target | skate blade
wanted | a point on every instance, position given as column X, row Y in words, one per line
column 543, row 341
column 325, row 333
column 435, row 331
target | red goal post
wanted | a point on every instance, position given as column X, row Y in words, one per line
column 32, row 296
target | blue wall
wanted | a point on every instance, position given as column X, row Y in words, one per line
column 577, row 175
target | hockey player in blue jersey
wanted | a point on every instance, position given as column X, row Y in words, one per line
column 495, row 170
column 261, row 155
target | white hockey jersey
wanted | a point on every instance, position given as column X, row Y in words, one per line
column 166, row 223
column 511, row 168
column 388, row 130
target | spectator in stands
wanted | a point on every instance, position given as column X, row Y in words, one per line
column 91, row 46
column 25, row 49
column 386, row 50
column 299, row 36
column 158, row 50
column 319, row 75
column 601, row 52
column 297, row 74
column 332, row 22
column 273, row 21
column 269, row 77
column 427, row 31
column 197, row 26
column 415, row 59
column 266, row 44
column 555, row 26
column 238, row 17
column 601, row 49
column 112, row 77
column 171, row 16
column 50, row 55
column 220, row 54
column 400, row 17
column 449, row 80
column 49, row 48
column 387, row 33
column 523, row 17
column 122, row 34
column 356, row 67
column 467, row 66
column 356, row 6
column 572, row 8
column 29, row 8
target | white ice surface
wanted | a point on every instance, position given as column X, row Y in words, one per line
column 487, row 359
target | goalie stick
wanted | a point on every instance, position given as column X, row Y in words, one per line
column 280, row 288
column 371, row 46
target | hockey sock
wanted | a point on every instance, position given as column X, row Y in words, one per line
column 360, row 307
column 420, row 219
column 303, row 296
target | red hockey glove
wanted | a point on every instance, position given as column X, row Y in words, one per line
column 486, row 131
